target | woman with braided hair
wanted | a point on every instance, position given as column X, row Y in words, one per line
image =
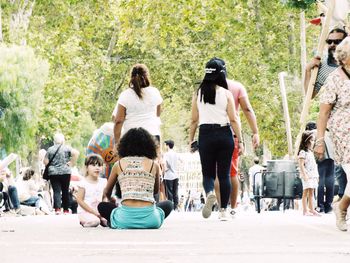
column 138, row 106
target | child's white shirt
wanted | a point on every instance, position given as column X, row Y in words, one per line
column 93, row 192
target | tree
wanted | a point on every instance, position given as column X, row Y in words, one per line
column 22, row 80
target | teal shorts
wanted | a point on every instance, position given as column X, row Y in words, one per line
column 126, row 217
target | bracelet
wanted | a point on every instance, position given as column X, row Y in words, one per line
column 319, row 143
column 319, row 140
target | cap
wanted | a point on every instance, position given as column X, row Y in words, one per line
column 214, row 68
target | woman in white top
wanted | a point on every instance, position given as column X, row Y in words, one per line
column 138, row 106
column 213, row 109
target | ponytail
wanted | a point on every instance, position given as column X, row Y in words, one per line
column 139, row 79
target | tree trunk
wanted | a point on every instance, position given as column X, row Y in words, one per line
column 259, row 24
column 113, row 40
column 19, row 22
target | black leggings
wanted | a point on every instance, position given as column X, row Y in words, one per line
column 105, row 209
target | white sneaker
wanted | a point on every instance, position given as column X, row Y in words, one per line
column 223, row 214
column 209, row 203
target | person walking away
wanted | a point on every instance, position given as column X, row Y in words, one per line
column 171, row 177
column 138, row 106
column 213, row 109
column 335, row 115
column 60, row 171
column 138, row 177
column 242, row 102
column 90, row 192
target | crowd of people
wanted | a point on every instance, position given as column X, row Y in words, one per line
column 142, row 187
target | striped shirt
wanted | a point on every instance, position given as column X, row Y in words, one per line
column 323, row 72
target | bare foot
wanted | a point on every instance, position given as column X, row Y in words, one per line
column 307, row 213
column 315, row 213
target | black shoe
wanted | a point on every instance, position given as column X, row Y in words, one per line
column 319, row 209
column 328, row 210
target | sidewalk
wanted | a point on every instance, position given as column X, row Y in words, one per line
column 184, row 237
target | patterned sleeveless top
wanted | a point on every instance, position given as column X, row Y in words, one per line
column 135, row 182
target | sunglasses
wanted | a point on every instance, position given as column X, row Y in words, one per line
column 335, row 41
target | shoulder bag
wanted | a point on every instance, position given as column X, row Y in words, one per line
column 46, row 171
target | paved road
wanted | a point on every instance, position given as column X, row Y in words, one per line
column 185, row 237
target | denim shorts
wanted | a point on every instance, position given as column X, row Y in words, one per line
column 126, row 217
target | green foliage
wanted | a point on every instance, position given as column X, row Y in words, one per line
column 22, row 79
column 301, row 4
column 257, row 38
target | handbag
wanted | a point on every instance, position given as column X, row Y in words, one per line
column 46, row 170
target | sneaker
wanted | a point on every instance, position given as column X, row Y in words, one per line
column 208, row 207
column 232, row 212
column 57, row 211
column 66, row 212
column 340, row 216
column 223, row 215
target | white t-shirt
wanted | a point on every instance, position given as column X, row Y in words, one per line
column 140, row 112
column 93, row 192
column 171, row 159
column 252, row 171
column 213, row 113
column 26, row 189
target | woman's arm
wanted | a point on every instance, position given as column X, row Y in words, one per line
column 251, row 118
column 323, row 116
column 232, row 115
column 159, row 110
column 118, row 122
column 112, row 179
column 194, row 118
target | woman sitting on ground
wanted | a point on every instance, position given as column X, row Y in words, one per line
column 29, row 192
column 138, row 177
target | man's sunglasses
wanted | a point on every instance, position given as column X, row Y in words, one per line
column 335, row 41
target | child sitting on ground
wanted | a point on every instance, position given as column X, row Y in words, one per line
column 138, row 176
column 90, row 191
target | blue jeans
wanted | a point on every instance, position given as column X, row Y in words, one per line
column 32, row 201
column 172, row 189
column 215, row 151
column 325, row 191
column 340, row 176
column 12, row 191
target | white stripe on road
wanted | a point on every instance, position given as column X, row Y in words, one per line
column 104, row 243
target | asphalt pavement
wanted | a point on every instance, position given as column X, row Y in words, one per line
column 274, row 236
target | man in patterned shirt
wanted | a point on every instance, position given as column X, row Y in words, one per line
column 328, row 64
